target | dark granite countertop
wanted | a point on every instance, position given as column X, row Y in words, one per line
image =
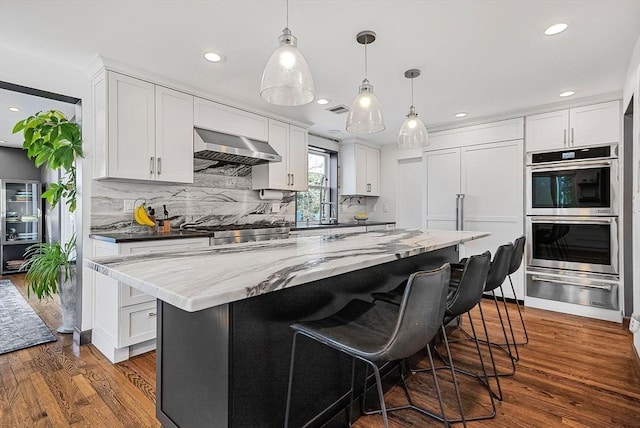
column 119, row 237
column 304, row 226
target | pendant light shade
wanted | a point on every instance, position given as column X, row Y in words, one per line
column 287, row 79
column 365, row 116
column 413, row 133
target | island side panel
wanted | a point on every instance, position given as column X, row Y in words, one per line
column 192, row 367
column 261, row 345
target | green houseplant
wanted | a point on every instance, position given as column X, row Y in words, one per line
column 51, row 140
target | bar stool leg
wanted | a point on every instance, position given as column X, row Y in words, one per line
column 524, row 327
column 453, row 376
column 353, row 375
column 504, row 333
column 493, row 361
column 513, row 336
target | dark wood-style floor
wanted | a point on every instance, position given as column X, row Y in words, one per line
column 575, row 372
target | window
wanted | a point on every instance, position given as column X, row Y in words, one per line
column 318, row 204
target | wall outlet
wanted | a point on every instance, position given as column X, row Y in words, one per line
column 275, row 207
column 128, row 205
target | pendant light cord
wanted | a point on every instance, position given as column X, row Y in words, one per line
column 366, row 42
column 412, row 91
column 287, row 13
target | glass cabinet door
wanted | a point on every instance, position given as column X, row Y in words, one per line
column 21, row 221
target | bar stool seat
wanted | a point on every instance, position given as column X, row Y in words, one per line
column 378, row 334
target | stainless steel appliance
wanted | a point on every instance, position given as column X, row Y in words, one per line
column 584, row 244
column 242, row 233
column 580, row 182
column 228, row 148
column 581, row 288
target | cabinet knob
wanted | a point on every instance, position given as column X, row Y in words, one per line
column 152, row 314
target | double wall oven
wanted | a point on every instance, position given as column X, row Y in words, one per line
column 572, row 226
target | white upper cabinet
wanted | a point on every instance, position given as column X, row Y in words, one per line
column 229, row 120
column 290, row 142
column 174, row 136
column 581, row 126
column 360, row 167
column 142, row 131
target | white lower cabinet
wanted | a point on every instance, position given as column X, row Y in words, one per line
column 124, row 323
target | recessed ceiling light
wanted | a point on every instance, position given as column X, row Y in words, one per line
column 14, row 109
column 555, row 29
column 213, row 57
column 333, row 131
column 323, row 101
column 461, row 114
column 566, row 94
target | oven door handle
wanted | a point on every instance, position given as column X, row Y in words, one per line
column 579, row 284
column 570, row 220
column 569, row 166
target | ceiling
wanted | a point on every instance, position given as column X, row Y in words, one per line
column 484, row 57
column 28, row 105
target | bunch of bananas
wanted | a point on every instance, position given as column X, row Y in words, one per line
column 141, row 216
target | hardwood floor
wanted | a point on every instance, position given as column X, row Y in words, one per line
column 575, row 372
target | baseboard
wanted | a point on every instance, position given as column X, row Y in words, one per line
column 508, row 299
column 81, row 337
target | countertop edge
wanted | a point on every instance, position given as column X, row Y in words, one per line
column 193, row 304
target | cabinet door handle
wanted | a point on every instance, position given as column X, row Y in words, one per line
column 151, row 165
column 292, row 179
column 572, row 133
column 368, row 187
column 564, row 138
column 288, row 179
column 159, row 166
column 152, row 314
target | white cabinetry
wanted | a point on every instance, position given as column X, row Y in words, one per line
column 142, row 131
column 360, row 167
column 490, row 179
column 291, row 173
column 229, row 120
column 580, row 126
column 124, row 321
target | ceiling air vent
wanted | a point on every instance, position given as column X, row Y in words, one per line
column 338, row 109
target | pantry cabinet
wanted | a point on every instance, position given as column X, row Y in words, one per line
column 124, row 319
column 142, row 131
column 580, row 126
column 360, row 167
column 290, row 142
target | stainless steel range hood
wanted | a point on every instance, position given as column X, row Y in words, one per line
column 228, row 148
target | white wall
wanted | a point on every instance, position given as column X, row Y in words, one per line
column 632, row 88
column 24, row 69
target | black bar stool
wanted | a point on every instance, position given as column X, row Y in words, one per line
column 382, row 333
column 516, row 261
column 465, row 292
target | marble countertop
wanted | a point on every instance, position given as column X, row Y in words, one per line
column 199, row 279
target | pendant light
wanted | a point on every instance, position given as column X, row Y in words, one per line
column 287, row 80
column 413, row 133
column 365, row 116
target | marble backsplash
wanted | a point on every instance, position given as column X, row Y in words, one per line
column 218, row 196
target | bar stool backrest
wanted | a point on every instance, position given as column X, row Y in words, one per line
column 469, row 291
column 499, row 268
column 420, row 314
column 518, row 252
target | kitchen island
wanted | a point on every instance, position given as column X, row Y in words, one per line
column 224, row 314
